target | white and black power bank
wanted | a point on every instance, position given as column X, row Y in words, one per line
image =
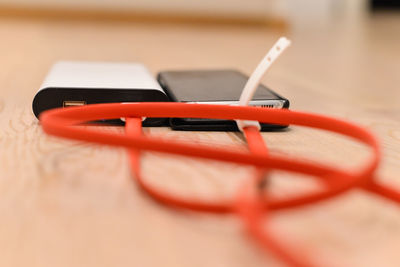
column 74, row 83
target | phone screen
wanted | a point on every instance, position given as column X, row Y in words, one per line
column 209, row 86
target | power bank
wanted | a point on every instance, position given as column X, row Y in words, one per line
column 74, row 83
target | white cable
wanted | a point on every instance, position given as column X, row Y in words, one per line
column 255, row 78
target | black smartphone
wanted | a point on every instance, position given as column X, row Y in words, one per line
column 214, row 87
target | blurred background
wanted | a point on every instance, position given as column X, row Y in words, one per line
column 278, row 12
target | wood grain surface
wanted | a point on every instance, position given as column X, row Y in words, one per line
column 66, row 203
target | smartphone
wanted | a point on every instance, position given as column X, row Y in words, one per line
column 221, row 87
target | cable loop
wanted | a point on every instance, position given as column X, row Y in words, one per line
column 63, row 123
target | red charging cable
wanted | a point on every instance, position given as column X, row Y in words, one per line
column 250, row 205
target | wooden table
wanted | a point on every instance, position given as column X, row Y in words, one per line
column 66, row 203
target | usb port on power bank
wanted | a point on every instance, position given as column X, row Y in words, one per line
column 73, row 103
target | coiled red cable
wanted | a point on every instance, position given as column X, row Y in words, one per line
column 250, row 205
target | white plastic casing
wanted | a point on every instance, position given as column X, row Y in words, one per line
column 80, row 74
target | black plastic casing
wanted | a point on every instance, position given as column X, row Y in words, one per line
column 212, row 86
column 49, row 98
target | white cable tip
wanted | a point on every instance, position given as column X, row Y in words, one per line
column 241, row 124
column 255, row 78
